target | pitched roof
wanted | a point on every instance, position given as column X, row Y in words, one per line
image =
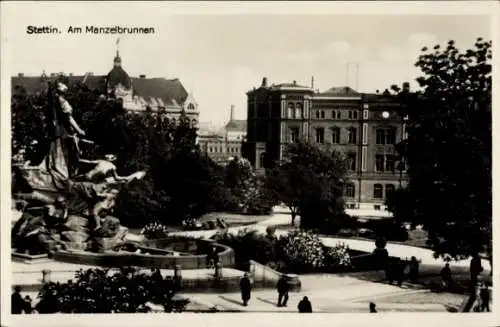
column 340, row 90
column 170, row 91
column 118, row 76
column 237, row 125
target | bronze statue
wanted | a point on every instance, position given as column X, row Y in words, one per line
column 64, row 209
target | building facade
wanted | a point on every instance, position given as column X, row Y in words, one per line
column 138, row 94
column 364, row 127
column 225, row 144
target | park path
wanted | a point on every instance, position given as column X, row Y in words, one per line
column 428, row 262
column 329, row 294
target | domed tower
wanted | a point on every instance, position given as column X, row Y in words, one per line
column 117, row 80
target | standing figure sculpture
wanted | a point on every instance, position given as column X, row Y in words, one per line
column 49, row 179
column 76, row 208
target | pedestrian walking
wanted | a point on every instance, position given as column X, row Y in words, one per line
column 475, row 269
column 17, row 302
column 413, row 274
column 283, row 288
column 213, row 258
column 305, row 305
column 246, row 289
column 446, row 276
column 373, row 308
column 28, row 307
column 484, row 295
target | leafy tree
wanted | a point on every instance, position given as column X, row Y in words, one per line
column 248, row 192
column 180, row 180
column 310, row 182
column 448, row 149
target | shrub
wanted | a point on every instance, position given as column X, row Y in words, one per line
column 339, row 222
column 388, row 228
column 96, row 291
column 337, row 257
column 300, row 251
column 271, row 231
column 154, row 230
column 248, row 245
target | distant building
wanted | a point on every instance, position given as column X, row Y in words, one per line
column 364, row 127
column 224, row 144
column 137, row 93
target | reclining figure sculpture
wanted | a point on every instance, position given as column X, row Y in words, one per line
column 62, row 209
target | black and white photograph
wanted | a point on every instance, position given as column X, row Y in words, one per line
column 242, row 158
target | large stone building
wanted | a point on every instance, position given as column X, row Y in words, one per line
column 137, row 93
column 364, row 127
column 224, row 144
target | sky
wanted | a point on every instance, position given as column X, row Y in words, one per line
column 220, row 56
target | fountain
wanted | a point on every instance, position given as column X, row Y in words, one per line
column 61, row 209
column 65, row 215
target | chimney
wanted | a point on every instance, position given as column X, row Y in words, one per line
column 312, row 82
column 294, row 83
column 231, row 113
column 142, row 76
column 264, row 82
column 20, row 75
column 70, row 74
column 406, row 87
column 91, row 74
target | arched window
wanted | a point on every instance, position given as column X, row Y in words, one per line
column 350, row 190
column 194, row 122
column 191, row 106
column 377, row 191
column 389, row 188
column 291, row 110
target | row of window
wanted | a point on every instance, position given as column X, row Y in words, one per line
column 336, row 114
column 383, row 163
column 221, row 149
column 352, row 135
column 174, row 121
column 378, row 190
column 384, row 136
column 296, row 112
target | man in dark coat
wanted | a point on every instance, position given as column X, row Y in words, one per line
column 28, row 307
column 17, row 302
column 446, row 278
column 484, row 295
column 414, row 270
column 246, row 289
column 305, row 306
column 283, row 289
column 475, row 269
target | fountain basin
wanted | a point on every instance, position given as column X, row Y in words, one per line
column 162, row 253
